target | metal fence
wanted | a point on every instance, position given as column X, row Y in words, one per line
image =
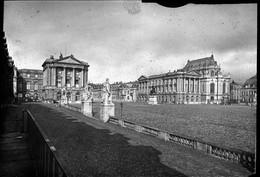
column 246, row 159
column 47, row 161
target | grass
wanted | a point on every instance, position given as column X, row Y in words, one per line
column 229, row 125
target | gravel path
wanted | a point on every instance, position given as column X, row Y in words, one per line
column 93, row 148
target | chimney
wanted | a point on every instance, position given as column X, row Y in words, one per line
column 51, row 57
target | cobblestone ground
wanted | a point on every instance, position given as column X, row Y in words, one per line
column 93, row 148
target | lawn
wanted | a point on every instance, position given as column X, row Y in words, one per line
column 229, row 125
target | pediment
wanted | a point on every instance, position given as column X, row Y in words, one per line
column 142, row 78
column 69, row 60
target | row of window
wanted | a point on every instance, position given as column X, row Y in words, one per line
column 27, row 75
column 246, row 93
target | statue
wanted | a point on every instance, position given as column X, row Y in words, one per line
column 63, row 95
column 152, row 91
column 86, row 94
column 106, row 94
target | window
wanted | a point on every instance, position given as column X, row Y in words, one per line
column 212, row 73
column 224, row 87
column 59, row 82
column 28, row 85
column 28, row 75
column 212, row 88
column 77, row 97
column 36, row 86
column 243, row 93
column 77, row 83
column 36, row 76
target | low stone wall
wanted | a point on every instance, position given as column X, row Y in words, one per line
column 244, row 158
column 72, row 107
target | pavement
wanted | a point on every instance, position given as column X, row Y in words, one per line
column 15, row 158
column 94, row 148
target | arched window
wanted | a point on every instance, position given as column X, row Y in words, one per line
column 212, row 73
column 77, row 96
column 212, row 88
column 36, row 86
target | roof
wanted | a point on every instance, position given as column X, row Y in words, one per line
column 251, row 82
column 200, row 63
column 30, row 70
column 68, row 59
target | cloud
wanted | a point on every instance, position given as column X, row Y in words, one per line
column 124, row 46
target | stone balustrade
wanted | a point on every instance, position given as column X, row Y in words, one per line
column 246, row 159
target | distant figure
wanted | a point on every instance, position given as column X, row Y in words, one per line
column 86, row 94
column 152, row 91
column 106, row 94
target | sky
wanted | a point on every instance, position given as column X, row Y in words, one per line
column 123, row 40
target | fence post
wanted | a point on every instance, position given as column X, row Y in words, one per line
column 24, row 121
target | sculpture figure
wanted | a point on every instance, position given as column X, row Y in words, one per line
column 106, row 94
column 86, row 94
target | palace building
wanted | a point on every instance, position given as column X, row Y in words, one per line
column 29, row 84
column 67, row 72
column 248, row 93
column 200, row 81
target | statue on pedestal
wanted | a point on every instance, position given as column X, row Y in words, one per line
column 106, row 94
column 86, row 94
column 63, row 95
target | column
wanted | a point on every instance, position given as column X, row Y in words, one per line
column 199, row 85
column 73, row 77
column 64, row 77
column 177, row 86
column 54, row 77
column 86, row 75
column 189, row 85
column 194, row 85
column 184, row 82
column 82, row 78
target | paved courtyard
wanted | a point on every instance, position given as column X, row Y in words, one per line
column 93, row 148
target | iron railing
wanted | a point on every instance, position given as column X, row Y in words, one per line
column 47, row 161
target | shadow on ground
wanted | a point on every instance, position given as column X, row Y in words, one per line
column 96, row 151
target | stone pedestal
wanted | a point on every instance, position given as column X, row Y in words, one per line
column 152, row 99
column 86, row 108
column 106, row 110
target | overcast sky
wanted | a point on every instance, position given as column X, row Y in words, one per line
column 123, row 41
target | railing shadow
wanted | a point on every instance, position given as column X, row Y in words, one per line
column 47, row 161
column 95, row 151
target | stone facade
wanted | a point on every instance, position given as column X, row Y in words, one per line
column 29, row 84
column 67, row 72
column 120, row 91
column 248, row 92
column 235, row 92
column 200, row 81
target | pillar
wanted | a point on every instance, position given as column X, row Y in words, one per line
column 64, row 77
column 49, row 75
column 82, row 78
column 86, row 75
column 199, row 85
column 73, row 77
column 54, row 77
column 193, row 85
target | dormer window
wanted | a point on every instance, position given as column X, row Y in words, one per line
column 212, row 73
